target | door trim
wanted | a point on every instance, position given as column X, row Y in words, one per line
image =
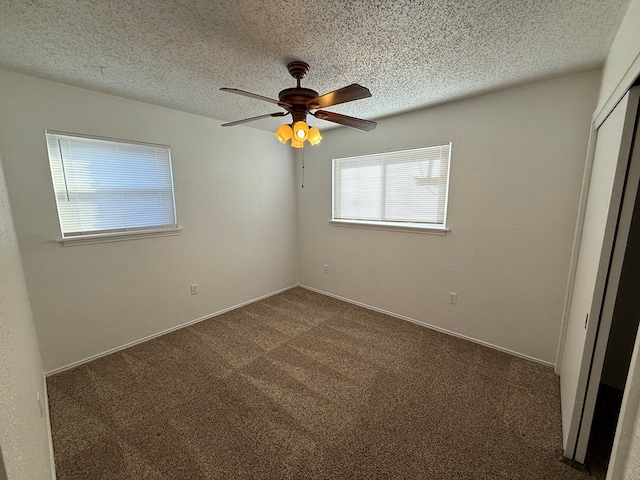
column 581, row 407
column 575, row 249
column 621, row 236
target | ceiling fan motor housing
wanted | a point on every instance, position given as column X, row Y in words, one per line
column 295, row 101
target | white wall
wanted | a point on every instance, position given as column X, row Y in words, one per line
column 632, row 466
column 516, row 172
column 235, row 198
column 623, row 61
column 24, row 438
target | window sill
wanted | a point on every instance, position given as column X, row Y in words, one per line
column 412, row 228
column 118, row 237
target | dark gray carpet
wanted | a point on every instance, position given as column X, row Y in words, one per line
column 304, row 386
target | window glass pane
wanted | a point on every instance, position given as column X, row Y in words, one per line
column 106, row 186
column 408, row 186
column 357, row 187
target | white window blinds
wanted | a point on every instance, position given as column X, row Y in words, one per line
column 406, row 187
column 109, row 187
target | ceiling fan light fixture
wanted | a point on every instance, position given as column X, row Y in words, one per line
column 284, row 133
column 300, row 131
column 299, row 103
column 314, row 136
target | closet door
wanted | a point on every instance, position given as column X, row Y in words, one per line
column 610, row 163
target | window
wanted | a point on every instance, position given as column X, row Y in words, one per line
column 406, row 188
column 111, row 187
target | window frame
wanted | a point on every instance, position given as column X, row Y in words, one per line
column 122, row 233
column 414, row 227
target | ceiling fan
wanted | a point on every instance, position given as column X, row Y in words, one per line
column 299, row 101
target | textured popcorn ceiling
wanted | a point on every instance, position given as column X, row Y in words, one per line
column 409, row 53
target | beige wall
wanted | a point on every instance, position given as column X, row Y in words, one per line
column 235, row 199
column 24, row 438
column 516, row 170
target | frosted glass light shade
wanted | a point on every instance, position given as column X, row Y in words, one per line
column 297, row 143
column 314, row 136
column 284, row 133
column 300, row 131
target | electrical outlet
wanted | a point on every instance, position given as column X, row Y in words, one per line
column 453, row 298
column 326, row 268
column 194, row 289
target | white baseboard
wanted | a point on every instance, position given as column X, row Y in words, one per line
column 427, row 325
column 344, row 299
column 163, row 332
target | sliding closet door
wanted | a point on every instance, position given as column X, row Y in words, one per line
column 608, row 174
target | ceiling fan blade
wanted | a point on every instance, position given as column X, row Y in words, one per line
column 246, row 120
column 359, row 123
column 342, row 95
column 254, row 95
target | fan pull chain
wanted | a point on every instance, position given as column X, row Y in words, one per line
column 302, row 157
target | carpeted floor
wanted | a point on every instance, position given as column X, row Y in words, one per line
column 303, row 386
